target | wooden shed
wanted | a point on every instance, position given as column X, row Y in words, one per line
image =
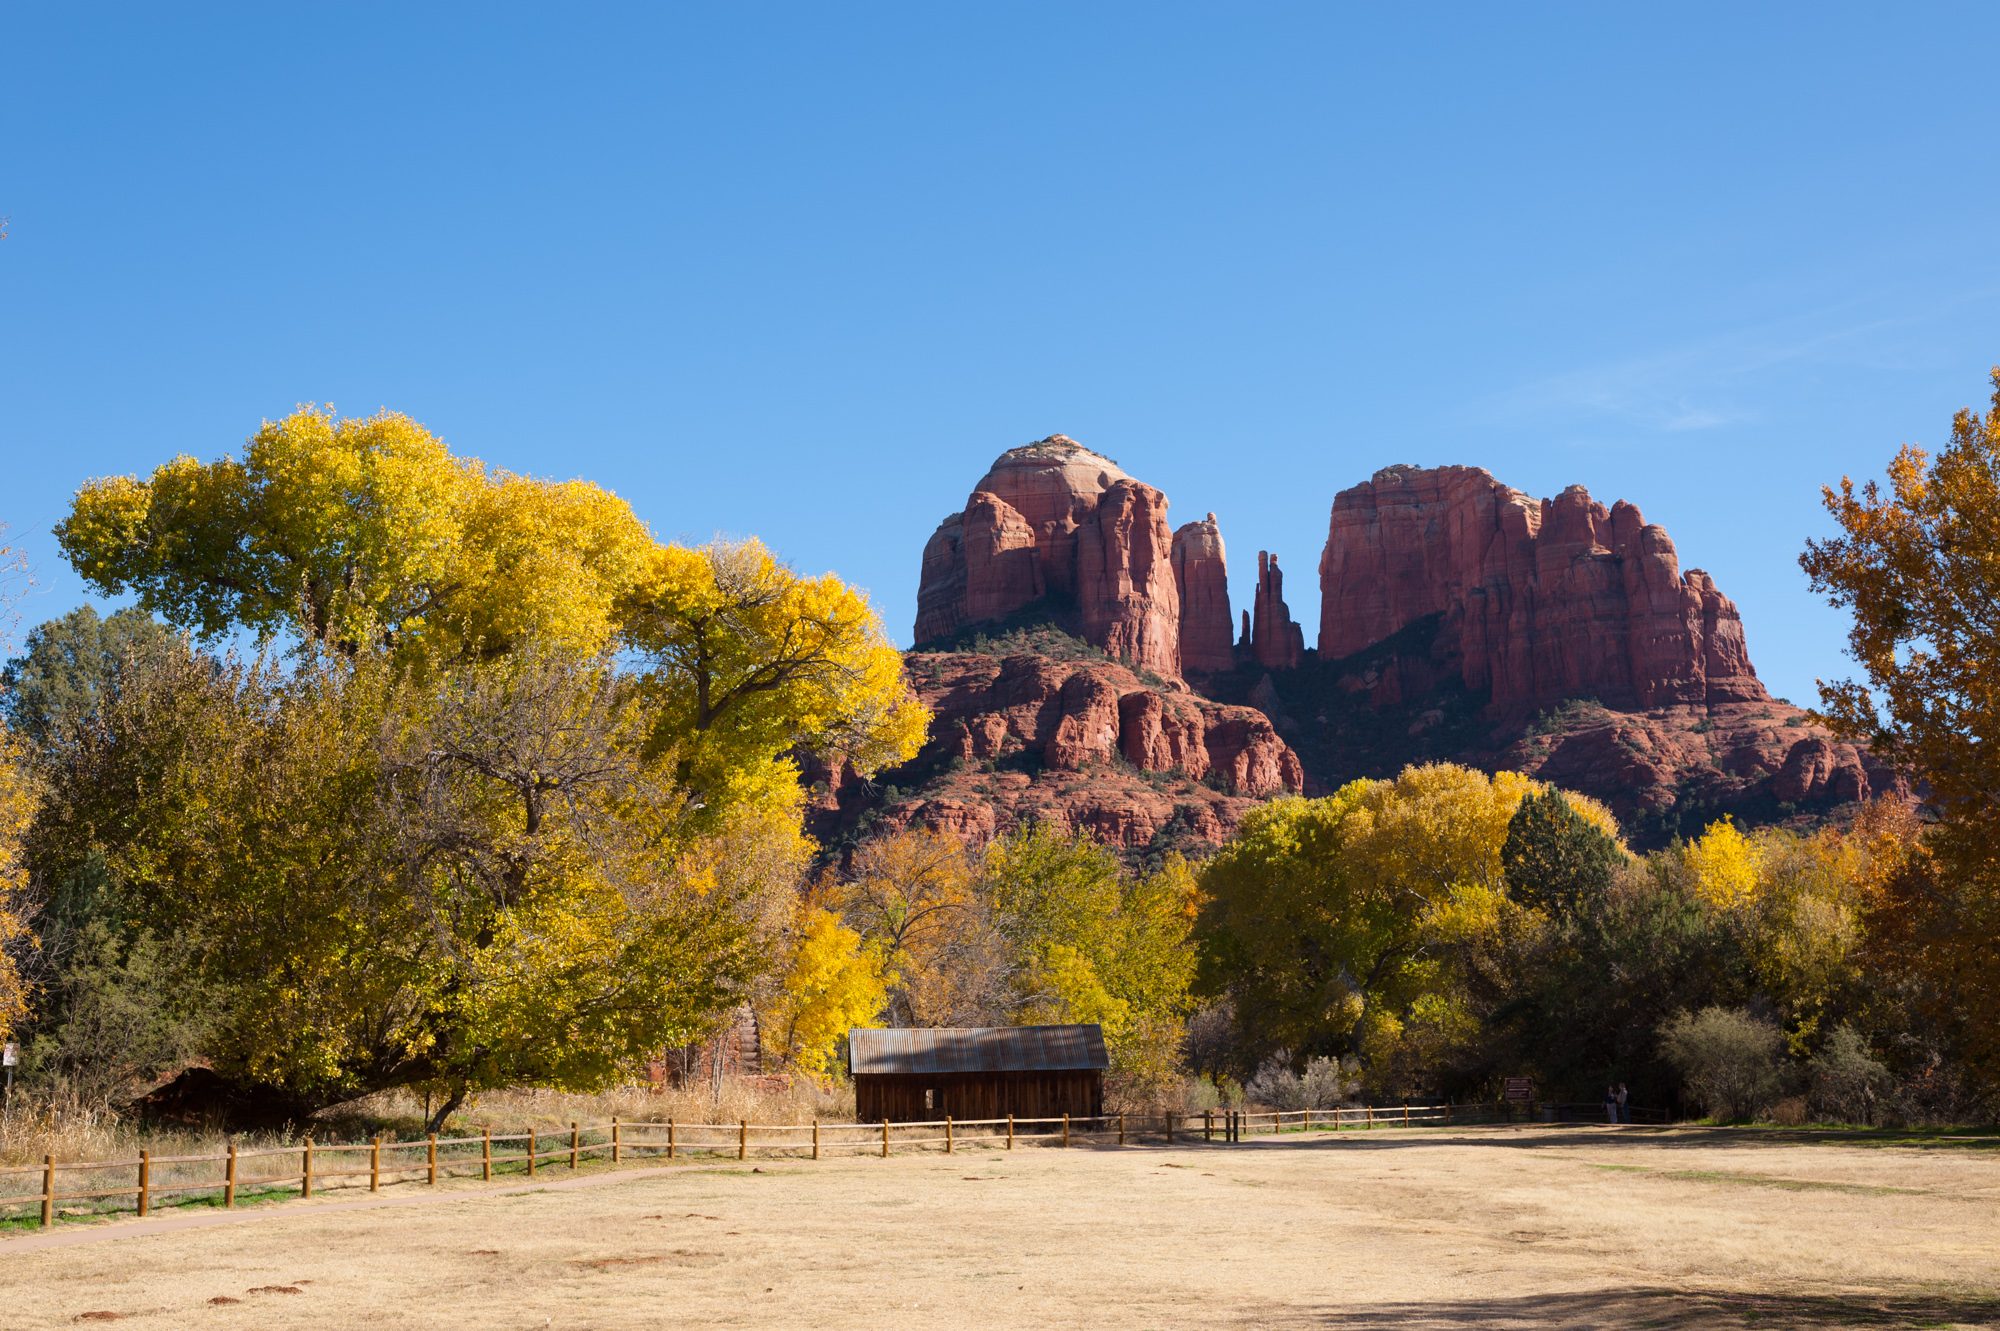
column 986, row 1072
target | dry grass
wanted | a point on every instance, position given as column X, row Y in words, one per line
column 71, row 1132
column 1520, row 1227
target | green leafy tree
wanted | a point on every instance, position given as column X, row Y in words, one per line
column 471, row 880
column 1581, row 1003
column 1087, row 942
column 1732, row 1061
column 69, row 666
column 1347, row 924
column 1555, row 858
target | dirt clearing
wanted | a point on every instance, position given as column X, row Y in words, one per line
column 1499, row 1227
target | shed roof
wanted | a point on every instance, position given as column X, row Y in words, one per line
column 977, row 1049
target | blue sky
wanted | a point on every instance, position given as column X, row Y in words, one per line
column 802, row 271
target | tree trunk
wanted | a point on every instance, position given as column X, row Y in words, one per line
column 446, row 1110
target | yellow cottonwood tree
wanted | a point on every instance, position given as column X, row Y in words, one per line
column 830, row 981
column 748, row 659
column 917, row 892
column 18, row 796
column 1724, row 864
column 360, row 533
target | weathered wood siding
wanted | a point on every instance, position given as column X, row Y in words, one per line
column 916, row 1097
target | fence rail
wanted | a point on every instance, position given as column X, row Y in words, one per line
column 321, row 1163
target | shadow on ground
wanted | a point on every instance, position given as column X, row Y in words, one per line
column 1681, row 1137
column 1683, row 1310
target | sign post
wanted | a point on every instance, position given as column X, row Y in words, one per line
column 10, row 1054
column 1519, row 1091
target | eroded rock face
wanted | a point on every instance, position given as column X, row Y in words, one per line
column 1538, row 600
column 1201, row 576
column 1763, row 760
column 1083, row 744
column 1055, row 522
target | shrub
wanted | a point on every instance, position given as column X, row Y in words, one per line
column 1200, row 1095
column 1324, row 1084
column 1729, row 1060
column 123, row 1012
column 1847, row 1084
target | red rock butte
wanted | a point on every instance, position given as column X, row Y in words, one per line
column 1052, row 522
column 1467, row 620
column 1542, row 600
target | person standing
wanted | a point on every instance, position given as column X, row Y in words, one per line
column 1623, row 1115
column 1611, row 1104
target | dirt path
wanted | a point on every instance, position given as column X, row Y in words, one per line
column 1486, row 1228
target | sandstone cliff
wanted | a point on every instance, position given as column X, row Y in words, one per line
column 1201, row 575
column 1056, row 524
column 1460, row 619
column 1540, row 600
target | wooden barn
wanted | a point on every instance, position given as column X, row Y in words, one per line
column 983, row 1073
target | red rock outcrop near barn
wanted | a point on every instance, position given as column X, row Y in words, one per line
column 1053, row 521
column 1083, row 744
column 1538, row 600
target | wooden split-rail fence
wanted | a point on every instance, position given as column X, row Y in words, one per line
column 236, row 1174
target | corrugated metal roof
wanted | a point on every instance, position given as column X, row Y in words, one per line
column 978, row 1049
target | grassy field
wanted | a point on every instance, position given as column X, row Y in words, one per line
column 1495, row 1227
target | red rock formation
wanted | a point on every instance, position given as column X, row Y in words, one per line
column 1201, row 576
column 1538, row 601
column 1271, row 637
column 1055, row 520
column 1031, row 738
column 1761, row 759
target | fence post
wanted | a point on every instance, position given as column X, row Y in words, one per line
column 670, row 1139
column 431, row 1157
column 1406, row 1113
column 375, row 1165
column 531, row 1152
column 815, row 1139
column 306, row 1178
column 145, row 1181
column 947, row 1134
column 616, row 1145
column 1336, row 1120
column 1447, row 1113
column 1371, row 1116
column 48, row 1190
column 229, row 1179
column 573, row 1142
column 1170, row 1128
column 1121, row 1129
column 1010, row 1132
column 885, row 1139
column 1208, row 1125
column 743, row 1139
column 1065, row 1129
column 1309, row 1118
column 486, row 1152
